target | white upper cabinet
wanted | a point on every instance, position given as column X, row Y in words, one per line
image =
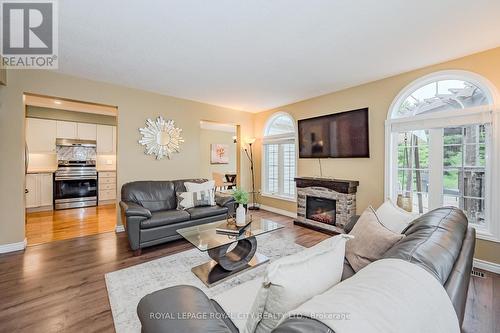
column 40, row 135
column 86, row 131
column 66, row 130
column 106, row 139
column 72, row 130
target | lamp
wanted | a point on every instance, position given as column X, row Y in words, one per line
column 250, row 141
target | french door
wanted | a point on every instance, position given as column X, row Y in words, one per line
column 446, row 166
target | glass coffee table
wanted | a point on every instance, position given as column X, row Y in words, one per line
column 227, row 263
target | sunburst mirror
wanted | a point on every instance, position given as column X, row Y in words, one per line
column 161, row 138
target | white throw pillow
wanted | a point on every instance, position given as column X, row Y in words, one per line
column 394, row 218
column 293, row 280
column 238, row 301
column 195, row 187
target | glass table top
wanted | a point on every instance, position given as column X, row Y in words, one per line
column 205, row 237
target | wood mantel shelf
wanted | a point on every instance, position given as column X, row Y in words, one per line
column 338, row 185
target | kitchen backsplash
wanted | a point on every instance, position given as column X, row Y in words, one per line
column 76, row 153
column 47, row 162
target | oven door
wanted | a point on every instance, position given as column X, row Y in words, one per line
column 70, row 192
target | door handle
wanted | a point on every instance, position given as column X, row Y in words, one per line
column 26, row 191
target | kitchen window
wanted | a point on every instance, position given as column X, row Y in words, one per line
column 441, row 148
column 279, row 157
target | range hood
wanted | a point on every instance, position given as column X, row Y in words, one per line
column 75, row 143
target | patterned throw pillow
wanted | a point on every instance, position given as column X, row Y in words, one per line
column 187, row 200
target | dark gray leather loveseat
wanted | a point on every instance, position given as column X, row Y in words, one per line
column 150, row 215
column 440, row 241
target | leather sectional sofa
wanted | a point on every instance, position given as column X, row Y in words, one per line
column 440, row 241
column 149, row 211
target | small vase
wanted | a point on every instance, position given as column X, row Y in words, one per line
column 240, row 215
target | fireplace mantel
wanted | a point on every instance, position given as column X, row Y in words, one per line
column 342, row 191
column 338, row 185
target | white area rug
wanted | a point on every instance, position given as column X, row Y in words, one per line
column 126, row 287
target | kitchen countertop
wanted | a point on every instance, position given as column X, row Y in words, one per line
column 42, row 170
column 31, row 171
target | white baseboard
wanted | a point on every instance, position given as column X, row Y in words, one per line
column 106, row 202
column 12, row 247
column 39, row 209
column 120, row 228
column 279, row 211
column 487, row 266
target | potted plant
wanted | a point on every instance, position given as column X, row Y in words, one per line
column 241, row 198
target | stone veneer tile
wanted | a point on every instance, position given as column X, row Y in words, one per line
column 346, row 206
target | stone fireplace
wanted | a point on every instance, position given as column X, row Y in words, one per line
column 325, row 204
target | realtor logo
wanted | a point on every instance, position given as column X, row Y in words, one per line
column 29, row 34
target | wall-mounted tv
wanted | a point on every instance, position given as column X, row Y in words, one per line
column 337, row 135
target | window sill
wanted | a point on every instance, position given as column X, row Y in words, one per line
column 279, row 197
column 486, row 235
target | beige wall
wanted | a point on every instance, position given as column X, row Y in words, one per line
column 134, row 106
column 378, row 96
column 208, row 137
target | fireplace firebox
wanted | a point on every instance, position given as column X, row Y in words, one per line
column 321, row 209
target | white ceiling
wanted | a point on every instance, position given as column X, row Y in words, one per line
column 254, row 55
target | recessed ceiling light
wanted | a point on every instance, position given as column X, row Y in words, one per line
column 57, row 102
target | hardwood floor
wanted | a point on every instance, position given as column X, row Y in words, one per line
column 48, row 226
column 59, row 286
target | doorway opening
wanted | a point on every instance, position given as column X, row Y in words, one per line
column 220, row 146
column 70, row 168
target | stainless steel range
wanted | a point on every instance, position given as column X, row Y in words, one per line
column 75, row 181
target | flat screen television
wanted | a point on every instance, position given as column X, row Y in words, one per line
column 338, row 135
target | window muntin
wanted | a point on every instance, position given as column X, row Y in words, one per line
column 289, row 169
column 442, row 95
column 280, row 125
column 461, row 163
column 464, row 170
column 413, row 168
column 272, row 160
column 279, row 162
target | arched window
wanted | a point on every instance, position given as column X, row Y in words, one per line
column 279, row 157
column 439, row 147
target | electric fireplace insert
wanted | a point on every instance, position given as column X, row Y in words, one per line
column 321, row 210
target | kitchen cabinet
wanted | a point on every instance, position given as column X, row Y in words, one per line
column 46, row 189
column 114, row 140
column 86, row 131
column 66, row 130
column 39, row 190
column 107, row 186
column 32, row 199
column 72, row 130
column 41, row 135
column 106, row 139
